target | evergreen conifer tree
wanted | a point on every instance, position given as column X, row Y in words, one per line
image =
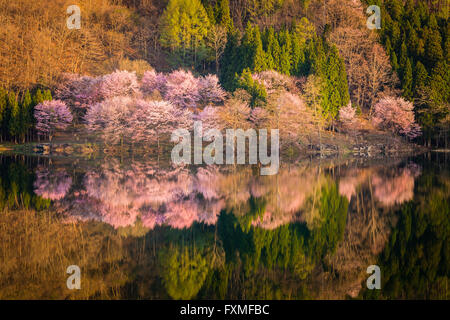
column 14, row 121
column 407, row 83
column 26, row 112
column 222, row 14
column 3, row 113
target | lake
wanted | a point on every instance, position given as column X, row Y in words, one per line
column 144, row 229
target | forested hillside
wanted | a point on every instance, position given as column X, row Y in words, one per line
column 416, row 36
column 325, row 46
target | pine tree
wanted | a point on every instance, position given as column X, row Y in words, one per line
column 286, row 52
column 257, row 92
column 248, row 46
column 47, row 95
column 396, row 9
column 403, row 57
column 14, row 121
column 260, row 56
column 433, row 52
column 304, row 30
column 395, row 34
column 336, row 95
column 388, row 46
column 315, row 56
column 412, row 40
column 415, row 18
column 26, row 112
column 394, row 62
column 298, row 55
column 407, row 82
column 273, row 48
column 38, row 97
column 222, row 14
column 285, row 63
column 231, row 62
column 439, row 85
column 409, row 8
column 184, row 27
column 420, row 77
column 275, row 51
column 3, row 113
column 270, row 63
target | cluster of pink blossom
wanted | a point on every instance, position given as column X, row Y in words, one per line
column 118, row 83
column 210, row 90
column 347, row 114
column 292, row 117
column 183, row 89
column 273, row 80
column 53, row 184
column 152, row 119
column 111, row 118
column 259, row 116
column 123, row 118
column 77, row 91
column 397, row 116
column 210, row 118
column 152, row 81
column 51, row 116
column 80, row 92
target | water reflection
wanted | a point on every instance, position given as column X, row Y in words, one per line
column 142, row 230
column 392, row 185
column 121, row 194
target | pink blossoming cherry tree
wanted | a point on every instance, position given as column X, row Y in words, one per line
column 51, row 116
column 396, row 115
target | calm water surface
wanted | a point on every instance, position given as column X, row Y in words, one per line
column 139, row 229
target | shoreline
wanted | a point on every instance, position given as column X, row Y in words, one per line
column 290, row 153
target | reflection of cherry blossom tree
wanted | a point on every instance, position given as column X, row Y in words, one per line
column 53, row 184
column 390, row 186
column 122, row 193
column 350, row 181
column 396, row 188
column 181, row 215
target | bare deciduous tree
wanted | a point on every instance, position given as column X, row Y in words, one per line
column 217, row 39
